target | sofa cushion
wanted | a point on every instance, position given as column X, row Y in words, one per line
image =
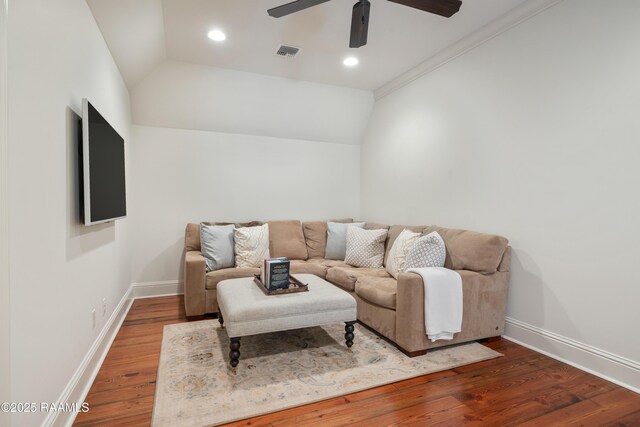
column 470, row 250
column 375, row 226
column 286, row 239
column 365, row 248
column 251, row 245
column 215, row 277
column 192, row 237
column 398, row 254
column 329, row 262
column 236, row 224
column 301, row 267
column 342, row 220
column 346, row 277
column 428, row 251
column 315, row 237
column 505, row 264
column 337, row 239
column 378, row 290
column 394, row 232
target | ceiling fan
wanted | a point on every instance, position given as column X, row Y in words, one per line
column 360, row 16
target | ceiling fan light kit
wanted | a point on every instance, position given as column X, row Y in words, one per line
column 360, row 23
column 360, row 16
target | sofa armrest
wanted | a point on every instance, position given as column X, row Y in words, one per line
column 410, row 332
column 484, row 306
column 194, row 283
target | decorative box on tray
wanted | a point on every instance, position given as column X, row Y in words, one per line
column 274, row 273
column 275, row 279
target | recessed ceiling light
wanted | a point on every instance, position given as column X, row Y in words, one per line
column 350, row 61
column 217, row 35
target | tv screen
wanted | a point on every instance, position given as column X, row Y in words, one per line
column 103, row 168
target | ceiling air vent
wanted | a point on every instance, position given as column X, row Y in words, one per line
column 287, row 51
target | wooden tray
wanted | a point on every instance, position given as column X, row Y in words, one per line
column 294, row 286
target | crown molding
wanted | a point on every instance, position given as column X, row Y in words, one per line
column 514, row 17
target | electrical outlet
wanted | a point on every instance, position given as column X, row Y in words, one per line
column 93, row 318
column 104, row 306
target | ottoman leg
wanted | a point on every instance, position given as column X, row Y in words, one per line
column 234, row 354
column 220, row 319
column 348, row 336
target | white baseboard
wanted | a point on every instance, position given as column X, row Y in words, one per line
column 77, row 389
column 611, row 367
column 157, row 289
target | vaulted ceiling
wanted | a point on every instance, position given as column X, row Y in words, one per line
column 142, row 34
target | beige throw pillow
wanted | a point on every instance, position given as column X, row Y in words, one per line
column 251, row 245
column 397, row 258
column 365, row 248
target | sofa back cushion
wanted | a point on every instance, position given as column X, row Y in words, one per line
column 394, row 232
column 192, row 237
column 505, row 264
column 315, row 236
column 286, row 239
column 375, row 226
column 470, row 250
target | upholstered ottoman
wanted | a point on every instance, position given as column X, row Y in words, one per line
column 244, row 309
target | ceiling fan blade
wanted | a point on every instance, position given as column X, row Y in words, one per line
column 446, row 8
column 293, row 7
column 360, row 24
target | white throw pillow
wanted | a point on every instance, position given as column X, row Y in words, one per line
column 428, row 251
column 365, row 248
column 251, row 245
column 397, row 258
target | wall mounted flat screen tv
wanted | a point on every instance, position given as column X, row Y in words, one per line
column 103, row 169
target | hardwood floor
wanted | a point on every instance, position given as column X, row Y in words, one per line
column 522, row 388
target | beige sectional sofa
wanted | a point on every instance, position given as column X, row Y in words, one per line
column 393, row 308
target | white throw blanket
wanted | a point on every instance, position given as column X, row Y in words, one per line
column 442, row 302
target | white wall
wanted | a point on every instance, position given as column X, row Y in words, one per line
column 60, row 270
column 188, row 96
column 5, row 302
column 206, row 146
column 182, row 176
column 534, row 136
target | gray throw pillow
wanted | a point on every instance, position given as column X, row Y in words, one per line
column 216, row 242
column 337, row 239
column 428, row 251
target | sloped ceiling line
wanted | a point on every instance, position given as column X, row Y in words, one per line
column 135, row 34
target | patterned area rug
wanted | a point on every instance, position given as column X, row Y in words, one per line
column 197, row 387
